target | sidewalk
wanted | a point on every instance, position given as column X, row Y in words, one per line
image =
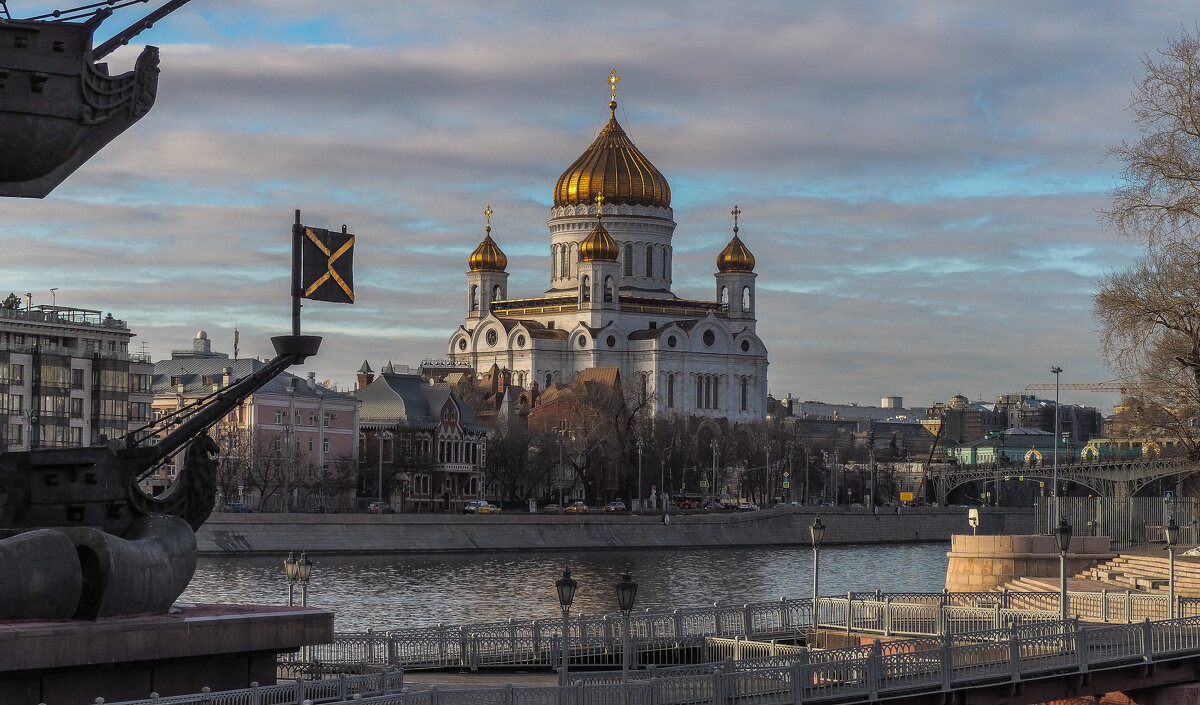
column 481, row 679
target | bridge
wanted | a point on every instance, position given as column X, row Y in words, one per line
column 1107, row 478
column 902, row 647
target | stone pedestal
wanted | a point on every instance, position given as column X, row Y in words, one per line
column 980, row 563
column 125, row 658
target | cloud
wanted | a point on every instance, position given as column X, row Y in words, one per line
column 919, row 181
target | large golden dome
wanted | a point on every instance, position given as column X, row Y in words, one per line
column 735, row 257
column 487, row 257
column 615, row 168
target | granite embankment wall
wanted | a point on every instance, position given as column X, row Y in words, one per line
column 417, row 533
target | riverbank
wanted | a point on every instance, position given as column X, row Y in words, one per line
column 426, row 533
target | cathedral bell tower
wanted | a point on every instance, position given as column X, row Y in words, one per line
column 735, row 276
column 487, row 281
column 599, row 288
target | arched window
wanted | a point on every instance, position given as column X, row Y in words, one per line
column 549, row 380
column 744, row 386
column 474, row 297
column 649, row 261
column 553, row 261
column 645, row 385
column 699, row 392
column 564, row 266
column 670, row 391
column 585, row 293
column 716, row 386
column 745, row 298
column 496, row 293
column 608, row 290
column 664, row 263
column 723, row 297
column 628, row 261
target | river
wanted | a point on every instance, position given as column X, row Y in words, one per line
column 401, row 591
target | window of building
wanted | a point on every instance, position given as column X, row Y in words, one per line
column 670, row 391
column 310, row 444
column 699, row 392
column 324, row 445
column 327, row 420
column 649, row 261
column 76, row 378
column 664, row 263
column 585, row 293
column 16, row 373
column 278, row 417
column 76, row 408
column 628, row 264
column 744, row 393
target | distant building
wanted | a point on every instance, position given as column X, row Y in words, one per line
column 1020, row 446
column 67, row 377
column 421, row 440
column 295, row 438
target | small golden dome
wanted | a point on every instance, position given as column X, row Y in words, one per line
column 615, row 168
column 488, row 257
column 598, row 246
column 736, row 257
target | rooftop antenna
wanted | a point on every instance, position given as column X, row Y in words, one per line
column 53, row 298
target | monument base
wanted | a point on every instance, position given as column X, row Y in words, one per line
column 126, row 658
column 982, row 563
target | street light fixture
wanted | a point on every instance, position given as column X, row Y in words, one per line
column 713, row 487
column 566, row 587
column 383, row 436
column 1172, row 535
column 626, row 593
column 637, row 505
column 1054, row 487
column 291, row 570
column 1063, row 536
column 303, row 573
column 818, row 535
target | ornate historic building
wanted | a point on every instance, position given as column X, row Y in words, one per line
column 610, row 302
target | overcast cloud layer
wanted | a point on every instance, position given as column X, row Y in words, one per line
column 919, row 181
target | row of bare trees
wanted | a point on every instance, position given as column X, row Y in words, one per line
column 266, row 471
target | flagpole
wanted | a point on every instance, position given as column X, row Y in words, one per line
column 297, row 289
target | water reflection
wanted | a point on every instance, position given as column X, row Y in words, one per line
column 399, row 591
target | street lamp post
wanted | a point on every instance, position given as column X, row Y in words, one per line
column 383, row 436
column 818, row 535
column 290, row 569
column 626, row 593
column 1054, row 487
column 1172, row 536
column 560, row 470
column 712, row 488
column 566, row 595
column 303, row 573
column 1063, row 536
column 638, row 504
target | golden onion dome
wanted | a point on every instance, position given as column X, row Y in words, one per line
column 735, row 257
column 488, row 257
column 614, row 168
column 598, row 246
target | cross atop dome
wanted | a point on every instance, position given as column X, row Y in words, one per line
column 735, row 212
column 613, row 80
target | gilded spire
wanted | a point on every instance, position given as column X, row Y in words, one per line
column 736, row 257
column 613, row 80
column 487, row 257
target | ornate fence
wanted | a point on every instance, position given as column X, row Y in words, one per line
column 678, row 637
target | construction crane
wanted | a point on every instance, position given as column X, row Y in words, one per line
column 1112, row 386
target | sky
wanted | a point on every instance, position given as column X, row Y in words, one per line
column 920, row 182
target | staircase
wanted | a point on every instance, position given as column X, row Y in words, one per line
column 1148, row 572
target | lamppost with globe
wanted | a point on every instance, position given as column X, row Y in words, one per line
column 626, row 593
column 818, row 535
column 566, row 587
column 1171, row 532
column 1062, row 535
column 297, row 570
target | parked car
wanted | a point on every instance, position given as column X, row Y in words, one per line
column 552, row 509
column 487, row 508
column 615, row 506
column 319, row 509
column 472, row 507
column 747, row 507
column 380, row 508
column 238, row 508
column 577, row 508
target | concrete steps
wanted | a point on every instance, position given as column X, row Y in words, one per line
column 1147, row 571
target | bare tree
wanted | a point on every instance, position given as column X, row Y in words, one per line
column 1159, row 200
column 1149, row 314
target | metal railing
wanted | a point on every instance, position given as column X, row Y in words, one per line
column 879, row 670
column 337, row 689
column 677, row 636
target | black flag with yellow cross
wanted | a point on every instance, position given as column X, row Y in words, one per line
column 328, row 270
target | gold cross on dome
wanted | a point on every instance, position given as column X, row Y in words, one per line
column 488, row 212
column 613, row 80
column 736, row 212
column 599, row 205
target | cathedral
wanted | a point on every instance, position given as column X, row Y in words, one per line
column 610, row 302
